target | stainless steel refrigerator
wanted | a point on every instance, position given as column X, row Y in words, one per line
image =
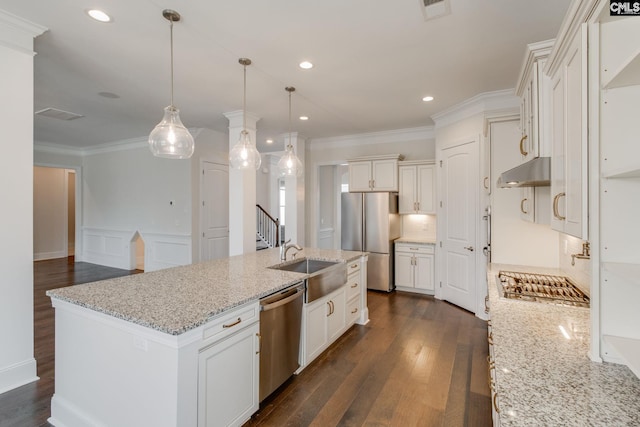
column 370, row 223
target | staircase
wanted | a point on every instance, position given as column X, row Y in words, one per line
column 267, row 230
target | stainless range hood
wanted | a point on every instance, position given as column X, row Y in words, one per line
column 534, row 173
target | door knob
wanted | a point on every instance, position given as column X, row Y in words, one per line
column 469, row 248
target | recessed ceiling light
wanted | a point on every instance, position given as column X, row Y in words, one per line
column 427, row 98
column 305, row 65
column 98, row 15
column 269, row 141
column 304, row 118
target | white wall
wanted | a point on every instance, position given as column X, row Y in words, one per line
column 49, row 213
column 17, row 365
column 514, row 241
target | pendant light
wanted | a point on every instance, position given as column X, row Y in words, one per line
column 244, row 155
column 170, row 139
column 289, row 164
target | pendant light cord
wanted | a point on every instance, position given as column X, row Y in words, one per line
column 289, row 146
column 171, row 32
column 244, row 100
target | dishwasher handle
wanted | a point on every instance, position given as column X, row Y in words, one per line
column 285, row 300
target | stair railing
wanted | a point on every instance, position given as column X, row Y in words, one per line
column 267, row 227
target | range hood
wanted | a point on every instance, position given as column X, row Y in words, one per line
column 534, row 173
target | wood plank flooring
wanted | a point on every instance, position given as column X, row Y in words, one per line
column 419, row 362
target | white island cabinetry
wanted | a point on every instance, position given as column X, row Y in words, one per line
column 178, row 347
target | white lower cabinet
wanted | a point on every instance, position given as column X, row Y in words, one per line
column 228, row 375
column 325, row 320
column 414, row 267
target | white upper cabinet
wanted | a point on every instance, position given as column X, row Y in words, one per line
column 569, row 149
column 417, row 192
column 534, row 92
column 376, row 173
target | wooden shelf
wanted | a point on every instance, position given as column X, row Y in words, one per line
column 626, row 270
column 628, row 349
column 624, row 173
column 627, row 75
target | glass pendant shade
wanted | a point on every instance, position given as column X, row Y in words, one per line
column 170, row 139
column 289, row 164
column 244, row 154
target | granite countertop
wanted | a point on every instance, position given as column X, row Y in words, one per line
column 417, row 240
column 178, row 299
column 546, row 379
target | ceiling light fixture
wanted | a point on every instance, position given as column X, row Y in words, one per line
column 303, row 118
column 244, row 154
column 427, row 98
column 170, row 139
column 98, row 15
column 306, row 65
column 289, row 164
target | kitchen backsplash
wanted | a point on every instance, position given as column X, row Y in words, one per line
column 581, row 271
column 419, row 226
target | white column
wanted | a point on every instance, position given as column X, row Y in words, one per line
column 242, row 191
column 17, row 364
column 294, row 195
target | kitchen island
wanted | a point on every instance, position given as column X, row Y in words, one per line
column 540, row 371
column 131, row 351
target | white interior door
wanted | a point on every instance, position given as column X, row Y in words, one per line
column 459, row 212
column 214, row 211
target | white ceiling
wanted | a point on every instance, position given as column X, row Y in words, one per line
column 374, row 61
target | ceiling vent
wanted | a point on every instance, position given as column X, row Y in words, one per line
column 54, row 113
column 432, row 9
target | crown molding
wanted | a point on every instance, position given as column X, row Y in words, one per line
column 17, row 33
column 535, row 52
column 479, row 104
column 370, row 138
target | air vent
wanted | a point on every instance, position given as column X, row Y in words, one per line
column 432, row 9
column 54, row 113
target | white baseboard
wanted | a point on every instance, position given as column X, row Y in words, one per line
column 18, row 375
column 65, row 414
column 40, row 256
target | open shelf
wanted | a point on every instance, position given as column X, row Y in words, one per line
column 624, row 173
column 628, row 349
column 625, row 270
column 627, row 75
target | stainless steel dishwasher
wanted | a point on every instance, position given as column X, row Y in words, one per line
column 280, row 324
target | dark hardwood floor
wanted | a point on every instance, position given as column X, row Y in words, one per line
column 419, row 362
column 30, row 405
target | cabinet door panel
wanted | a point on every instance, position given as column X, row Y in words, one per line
column 426, row 189
column 337, row 319
column 527, row 204
column 407, row 195
column 234, row 360
column 315, row 328
column 385, row 175
column 404, row 269
column 557, row 147
column 424, row 272
column 360, row 176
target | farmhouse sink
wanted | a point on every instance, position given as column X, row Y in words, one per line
column 324, row 276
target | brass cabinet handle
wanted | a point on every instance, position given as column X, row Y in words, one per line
column 495, row 402
column 486, row 304
column 484, row 183
column 259, row 343
column 354, row 311
column 556, row 200
column 469, row 248
column 230, row 325
column 329, row 304
column 418, row 204
column 490, row 338
column 522, row 202
column 355, row 285
column 522, row 151
column 354, row 265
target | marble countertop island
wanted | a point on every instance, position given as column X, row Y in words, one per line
column 179, row 299
column 544, row 376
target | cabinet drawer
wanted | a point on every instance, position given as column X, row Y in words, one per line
column 353, row 285
column 418, row 248
column 353, row 266
column 353, row 311
column 229, row 322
